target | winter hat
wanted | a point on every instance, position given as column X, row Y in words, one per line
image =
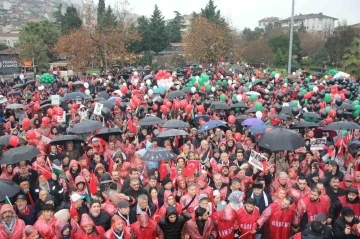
column 333, row 163
column 348, row 177
column 352, row 190
column 258, row 185
column 123, row 204
column 203, row 197
column 165, row 181
column 86, row 220
column 320, row 217
column 235, row 198
column 216, row 193
column 105, row 178
column 49, row 198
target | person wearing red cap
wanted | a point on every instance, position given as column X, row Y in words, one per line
column 203, row 187
column 347, row 182
column 145, row 228
column 119, row 230
column 11, row 227
column 46, row 222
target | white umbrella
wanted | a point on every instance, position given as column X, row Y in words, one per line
column 252, row 93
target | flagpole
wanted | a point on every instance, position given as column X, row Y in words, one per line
column 8, row 200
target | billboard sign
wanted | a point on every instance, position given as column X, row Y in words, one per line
column 9, row 64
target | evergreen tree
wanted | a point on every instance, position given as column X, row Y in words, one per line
column 58, row 16
column 71, row 20
column 109, row 19
column 100, row 10
column 174, row 28
column 210, row 12
column 158, row 36
column 279, row 58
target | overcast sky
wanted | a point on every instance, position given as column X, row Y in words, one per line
column 246, row 13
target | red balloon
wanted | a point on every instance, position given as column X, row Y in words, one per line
column 13, row 141
column 307, row 96
column 135, row 92
column 136, row 101
column 188, row 108
column 237, row 137
column 74, row 107
column 183, row 104
column 36, row 107
column 50, row 112
column 231, row 119
column 117, row 101
column 45, row 120
column 332, row 113
column 54, row 119
column 273, row 110
column 203, row 89
column 124, row 89
column 177, row 105
column 329, row 120
column 168, row 104
column 26, row 123
column 201, row 108
column 133, row 106
column 31, row 134
column 164, row 109
column 155, row 107
column 70, row 84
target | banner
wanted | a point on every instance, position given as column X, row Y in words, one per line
column 256, row 160
column 62, row 119
column 55, row 100
column 317, row 143
column 97, row 109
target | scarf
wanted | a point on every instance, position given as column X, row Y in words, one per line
column 266, row 200
column 119, row 235
column 9, row 228
column 139, row 210
column 126, row 218
column 47, row 187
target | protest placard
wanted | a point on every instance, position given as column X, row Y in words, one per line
column 256, row 160
column 55, row 100
column 97, row 109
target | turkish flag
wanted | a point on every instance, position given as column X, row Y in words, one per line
column 192, row 166
column 93, row 182
column 163, row 170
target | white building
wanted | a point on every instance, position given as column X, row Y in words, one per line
column 9, row 39
column 267, row 20
column 312, row 22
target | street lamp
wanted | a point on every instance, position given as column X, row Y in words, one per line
column 291, row 36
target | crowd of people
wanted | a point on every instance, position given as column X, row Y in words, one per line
column 94, row 164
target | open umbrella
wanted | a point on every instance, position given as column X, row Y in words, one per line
column 260, row 129
column 14, row 93
column 78, row 83
column 186, row 89
column 198, row 117
column 340, row 125
column 18, row 154
column 15, row 106
column 251, row 110
column 280, row 139
column 175, row 124
column 107, row 104
column 45, row 106
column 75, row 95
column 150, row 120
column 219, row 106
column 252, row 93
column 63, row 139
column 211, row 124
column 157, row 154
column 239, row 105
column 172, row 133
column 8, row 189
column 103, row 94
column 29, row 82
column 311, row 115
column 159, row 90
column 175, row 94
column 17, row 86
column 280, row 116
column 106, row 132
column 346, row 106
column 243, row 117
column 86, row 127
column 252, row 122
column 287, row 110
column 302, row 125
column 4, row 140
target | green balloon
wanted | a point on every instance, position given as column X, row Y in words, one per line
column 205, row 77
column 344, row 132
column 327, row 98
column 253, row 98
column 356, row 113
column 311, row 87
column 286, row 80
column 294, row 103
column 222, row 97
column 327, row 109
column 234, row 96
column 217, row 87
column 258, row 106
column 357, row 107
column 307, row 80
column 307, row 119
column 201, row 82
column 208, row 88
column 224, row 82
column 303, row 91
column 355, row 102
column 237, row 109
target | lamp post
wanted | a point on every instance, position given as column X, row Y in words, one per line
column 291, row 36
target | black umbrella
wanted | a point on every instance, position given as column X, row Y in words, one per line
column 172, row 133
column 106, row 132
column 311, row 115
column 243, row 117
column 280, row 116
column 78, row 83
column 150, row 120
column 219, row 106
column 63, row 139
column 239, row 105
column 175, row 124
column 157, row 154
column 14, row 93
column 346, row 106
column 340, row 125
column 354, row 145
column 44, row 102
column 75, row 95
column 280, row 139
column 86, row 127
column 4, row 140
column 251, row 110
column 8, row 189
column 17, row 86
column 19, row 154
column 186, row 90
column 175, row 94
column 287, row 110
column 45, row 106
column 107, row 104
column 29, row 82
column 103, row 94
column 302, row 125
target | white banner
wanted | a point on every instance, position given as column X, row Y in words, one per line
column 55, row 100
column 256, row 160
column 97, row 109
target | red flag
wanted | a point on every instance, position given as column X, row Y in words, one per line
column 47, row 173
column 111, row 166
column 93, row 182
column 173, row 173
column 191, row 167
column 163, row 169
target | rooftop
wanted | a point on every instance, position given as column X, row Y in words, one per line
column 308, row 16
column 269, row 19
column 9, row 34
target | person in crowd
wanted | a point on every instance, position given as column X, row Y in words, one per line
column 11, row 226
column 201, row 226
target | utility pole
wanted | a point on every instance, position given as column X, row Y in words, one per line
column 291, row 36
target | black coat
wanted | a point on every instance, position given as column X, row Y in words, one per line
column 134, row 194
column 327, row 233
column 30, row 218
column 133, row 214
column 172, row 230
column 102, row 220
column 261, row 204
column 126, row 185
column 308, row 234
column 334, row 196
column 339, row 228
column 336, row 207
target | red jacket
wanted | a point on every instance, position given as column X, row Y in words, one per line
column 311, row 208
column 278, row 221
column 18, row 231
column 190, row 228
column 46, row 229
column 226, row 221
column 128, row 234
column 247, row 222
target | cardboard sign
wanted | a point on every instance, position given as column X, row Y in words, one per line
column 97, row 109
column 55, row 100
column 256, row 160
column 62, row 119
column 317, row 143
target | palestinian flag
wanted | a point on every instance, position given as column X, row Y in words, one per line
column 59, row 171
